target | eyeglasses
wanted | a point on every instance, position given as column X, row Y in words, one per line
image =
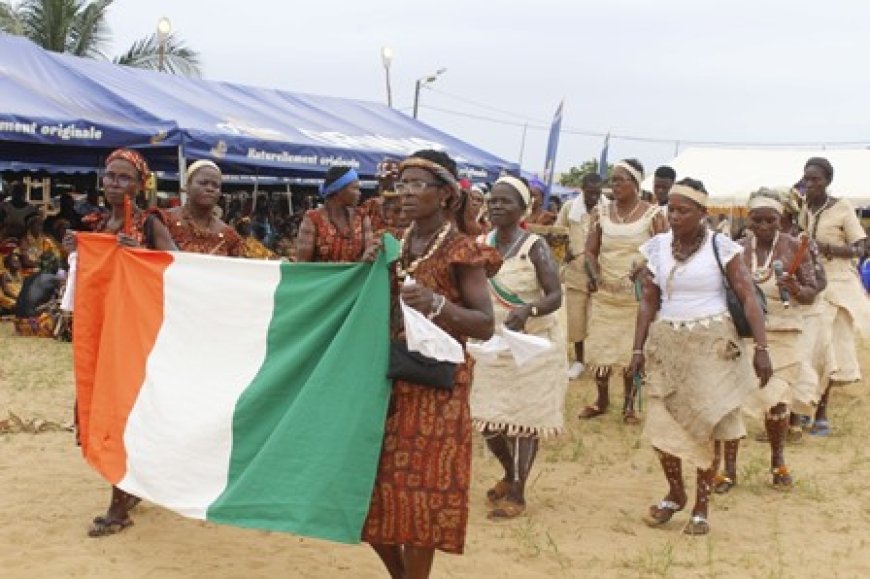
column 414, row 187
column 123, row 181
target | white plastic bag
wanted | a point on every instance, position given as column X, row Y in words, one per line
column 425, row 337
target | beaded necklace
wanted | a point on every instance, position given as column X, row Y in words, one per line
column 432, row 245
column 763, row 273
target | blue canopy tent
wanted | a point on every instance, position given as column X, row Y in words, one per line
column 247, row 130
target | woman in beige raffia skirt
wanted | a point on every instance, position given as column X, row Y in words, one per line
column 699, row 370
column 514, row 406
column 617, row 231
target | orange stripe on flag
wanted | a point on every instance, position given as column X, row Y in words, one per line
column 118, row 314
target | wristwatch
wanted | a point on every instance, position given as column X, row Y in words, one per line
column 533, row 311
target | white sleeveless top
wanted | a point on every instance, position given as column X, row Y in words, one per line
column 692, row 290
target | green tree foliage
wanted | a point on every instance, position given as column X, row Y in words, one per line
column 79, row 27
column 574, row 175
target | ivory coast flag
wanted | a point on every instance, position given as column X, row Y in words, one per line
column 251, row 393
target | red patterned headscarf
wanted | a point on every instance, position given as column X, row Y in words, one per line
column 135, row 159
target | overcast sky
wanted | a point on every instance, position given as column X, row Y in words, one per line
column 728, row 70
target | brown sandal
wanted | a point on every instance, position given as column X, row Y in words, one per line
column 507, row 509
column 591, row 411
column 499, row 491
column 103, row 526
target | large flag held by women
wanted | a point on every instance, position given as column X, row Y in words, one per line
column 245, row 392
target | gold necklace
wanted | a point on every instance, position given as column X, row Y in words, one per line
column 433, row 244
column 622, row 219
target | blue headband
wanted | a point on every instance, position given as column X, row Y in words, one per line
column 339, row 184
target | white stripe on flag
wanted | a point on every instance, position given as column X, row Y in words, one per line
column 209, row 349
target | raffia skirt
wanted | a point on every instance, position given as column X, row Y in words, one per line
column 697, row 380
column 528, row 400
column 845, row 310
column 790, row 346
column 612, row 316
column 577, row 306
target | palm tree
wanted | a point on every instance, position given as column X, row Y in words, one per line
column 79, row 27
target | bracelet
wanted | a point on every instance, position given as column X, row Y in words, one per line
column 637, row 353
column 761, row 348
column 436, row 310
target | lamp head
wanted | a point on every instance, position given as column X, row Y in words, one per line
column 387, row 56
column 164, row 27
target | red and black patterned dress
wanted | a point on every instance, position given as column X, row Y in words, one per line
column 420, row 496
column 334, row 245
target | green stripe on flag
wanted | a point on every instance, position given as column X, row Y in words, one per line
column 307, row 432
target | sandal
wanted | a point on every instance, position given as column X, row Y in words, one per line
column 722, row 484
column 103, row 527
column 499, row 491
column 782, row 478
column 507, row 509
column 662, row 513
column 591, row 411
column 697, row 525
column 630, row 417
column 820, row 428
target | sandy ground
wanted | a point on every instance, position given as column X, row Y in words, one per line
column 587, row 496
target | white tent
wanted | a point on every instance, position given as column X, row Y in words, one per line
column 730, row 175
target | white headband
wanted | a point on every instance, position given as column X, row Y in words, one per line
column 635, row 174
column 197, row 165
column 698, row 197
column 763, row 201
column 519, row 186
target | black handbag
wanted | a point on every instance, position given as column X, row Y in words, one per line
column 416, row 368
column 735, row 308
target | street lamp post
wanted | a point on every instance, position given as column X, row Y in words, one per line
column 423, row 81
column 387, row 59
column 164, row 28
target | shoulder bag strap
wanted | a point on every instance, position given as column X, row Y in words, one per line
column 719, row 261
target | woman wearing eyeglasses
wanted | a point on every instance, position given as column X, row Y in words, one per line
column 338, row 231
column 420, row 498
column 613, row 260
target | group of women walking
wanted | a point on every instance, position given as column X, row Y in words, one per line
column 654, row 297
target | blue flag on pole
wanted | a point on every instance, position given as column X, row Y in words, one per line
column 552, row 147
column 602, row 163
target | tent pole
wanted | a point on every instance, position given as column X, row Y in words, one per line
column 289, row 200
column 182, row 175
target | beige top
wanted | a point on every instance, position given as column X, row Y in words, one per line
column 838, row 225
column 620, row 248
column 574, row 274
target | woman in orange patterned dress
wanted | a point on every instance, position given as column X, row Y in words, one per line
column 194, row 226
column 124, row 177
column 338, row 231
column 420, row 499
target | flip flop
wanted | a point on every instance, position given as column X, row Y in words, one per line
column 591, row 411
column 506, row 510
column 630, row 417
column 662, row 512
column 697, row 525
column 820, row 428
column 103, row 527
